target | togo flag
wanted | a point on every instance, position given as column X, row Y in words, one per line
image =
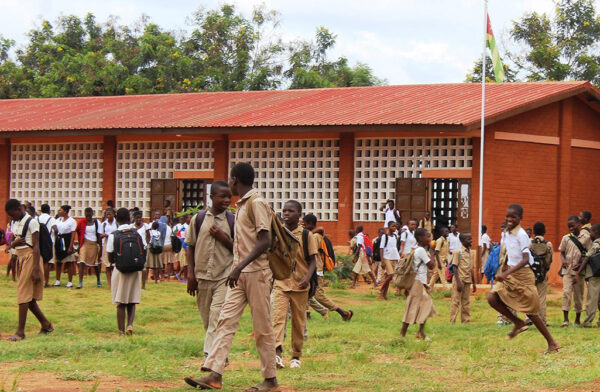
column 496, row 62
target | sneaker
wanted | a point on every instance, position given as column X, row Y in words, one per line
column 99, row 284
column 295, row 364
column 56, row 284
column 69, row 285
column 279, row 362
column 500, row 323
column 79, row 286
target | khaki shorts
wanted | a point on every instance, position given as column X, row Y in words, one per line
column 389, row 265
column 28, row 291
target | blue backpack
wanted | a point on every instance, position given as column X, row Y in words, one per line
column 492, row 264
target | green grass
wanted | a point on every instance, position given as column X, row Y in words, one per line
column 366, row 354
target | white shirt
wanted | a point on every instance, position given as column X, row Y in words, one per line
column 485, row 239
column 454, row 242
column 17, row 230
column 49, row 222
column 360, row 240
column 420, row 264
column 90, row 231
column 389, row 215
column 154, row 234
column 66, row 226
column 390, row 251
column 517, row 242
column 410, row 242
column 168, row 236
column 107, row 228
column 141, row 231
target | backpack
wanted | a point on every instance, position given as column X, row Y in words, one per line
column 594, row 263
column 452, row 269
column 156, row 245
column 202, row 214
column 327, row 254
column 404, row 273
column 314, row 279
column 44, row 240
column 368, row 245
column 398, row 242
column 176, row 244
column 284, row 244
column 128, row 254
column 376, row 248
column 492, row 264
column 541, row 259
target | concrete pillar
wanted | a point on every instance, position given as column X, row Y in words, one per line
column 109, row 170
column 345, row 188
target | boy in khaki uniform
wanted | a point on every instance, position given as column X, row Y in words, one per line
column 441, row 253
column 293, row 291
column 210, row 257
column 249, row 284
column 463, row 276
column 593, row 297
column 570, row 256
column 539, row 230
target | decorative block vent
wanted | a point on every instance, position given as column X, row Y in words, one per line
column 306, row 170
column 378, row 162
column 58, row 174
column 140, row 162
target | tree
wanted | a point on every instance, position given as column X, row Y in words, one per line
column 475, row 75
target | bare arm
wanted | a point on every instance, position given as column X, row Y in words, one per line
column 192, row 283
column 36, row 275
column 305, row 282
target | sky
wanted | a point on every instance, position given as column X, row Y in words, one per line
column 404, row 41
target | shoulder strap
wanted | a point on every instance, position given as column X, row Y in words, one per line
column 586, row 229
column 386, row 241
column 200, row 220
column 26, row 227
column 578, row 244
column 305, row 245
column 250, row 210
column 231, row 221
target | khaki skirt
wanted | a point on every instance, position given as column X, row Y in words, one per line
column 182, row 259
column 27, row 291
column 362, row 265
column 126, row 288
column 419, row 305
column 518, row 291
column 88, row 254
column 167, row 255
column 153, row 260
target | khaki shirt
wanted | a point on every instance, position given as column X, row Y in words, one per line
column 291, row 283
column 246, row 232
column 465, row 266
column 594, row 248
column 572, row 253
column 427, row 225
column 442, row 246
column 317, row 239
column 212, row 259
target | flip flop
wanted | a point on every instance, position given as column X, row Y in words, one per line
column 350, row 315
column 565, row 325
column 200, row 384
column 512, row 334
column 261, row 388
column 46, row 331
column 15, row 338
column 555, row 351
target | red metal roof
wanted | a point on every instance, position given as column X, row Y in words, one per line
column 426, row 104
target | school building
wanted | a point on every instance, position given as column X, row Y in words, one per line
column 340, row 152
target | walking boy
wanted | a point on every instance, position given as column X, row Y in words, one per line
column 462, row 260
column 454, row 239
column 310, row 223
column 361, row 267
column 572, row 249
column 30, row 284
column 210, row 255
column 441, row 252
column 293, row 291
column 249, row 283
column 593, row 298
column 543, row 249
column 389, row 254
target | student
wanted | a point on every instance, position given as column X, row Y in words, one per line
column 47, row 220
column 391, row 213
column 419, row 304
column 516, row 281
column 361, row 267
column 485, row 243
column 153, row 260
column 125, row 286
column 501, row 319
column 462, row 260
column 30, row 285
column 108, row 227
column 90, row 249
column 143, row 230
column 586, row 217
column 572, row 249
column 440, row 256
column 249, row 283
column 543, row 249
column 210, row 255
column 407, row 238
column 593, row 297
column 167, row 255
column 454, row 239
column 426, row 223
column 182, row 229
column 389, row 254
column 64, row 245
column 376, row 265
column 12, row 261
column 310, row 223
column 293, row 291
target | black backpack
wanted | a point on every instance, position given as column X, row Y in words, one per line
column 376, row 247
column 44, row 240
column 314, row 279
column 594, row 263
column 128, row 251
column 176, row 244
column 540, row 252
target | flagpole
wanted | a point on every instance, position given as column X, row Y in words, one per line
column 482, row 136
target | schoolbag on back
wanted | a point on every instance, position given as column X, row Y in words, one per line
column 128, row 251
column 368, row 245
column 594, row 263
column 314, row 279
column 327, row 254
column 404, row 273
column 541, row 259
column 156, row 245
column 176, row 244
column 284, row 245
column 492, row 264
column 44, row 240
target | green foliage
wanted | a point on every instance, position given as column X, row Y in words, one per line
column 475, row 75
column 224, row 51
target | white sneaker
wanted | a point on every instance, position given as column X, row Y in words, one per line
column 295, row 364
column 56, row 284
column 279, row 362
column 69, row 285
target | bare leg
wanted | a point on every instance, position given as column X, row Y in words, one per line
column 71, row 271
column 109, row 275
column 373, row 279
column 156, row 272
column 385, row 286
column 81, row 268
column 144, row 278
column 354, row 279
column 37, row 312
column 46, row 274
column 58, row 267
column 404, row 329
column 121, row 317
column 541, row 326
column 98, row 269
column 421, row 333
column 130, row 314
column 566, row 316
column 23, row 308
column 169, row 270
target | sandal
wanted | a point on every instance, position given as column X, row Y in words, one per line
column 555, row 351
column 262, row 388
column 46, row 331
column 565, row 324
column 129, row 330
column 512, row 334
column 15, row 338
column 192, row 382
column 349, row 315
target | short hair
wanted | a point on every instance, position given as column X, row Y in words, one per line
column 296, row 205
column 154, row 225
column 587, row 215
column 539, row 228
column 463, row 235
column 216, row 186
column 413, row 220
column 310, row 218
column 420, row 232
column 351, row 232
column 12, row 204
column 88, row 209
column 596, row 227
column 110, row 203
column 381, row 230
column 359, row 229
column 110, row 209
column 122, row 215
column 444, row 228
column 31, row 210
column 483, row 229
column 573, row 218
column 66, row 208
column 516, row 208
column 137, row 213
column 391, row 201
column 244, row 173
column 45, row 208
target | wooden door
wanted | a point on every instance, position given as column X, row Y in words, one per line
column 411, row 197
column 160, row 191
column 463, row 216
